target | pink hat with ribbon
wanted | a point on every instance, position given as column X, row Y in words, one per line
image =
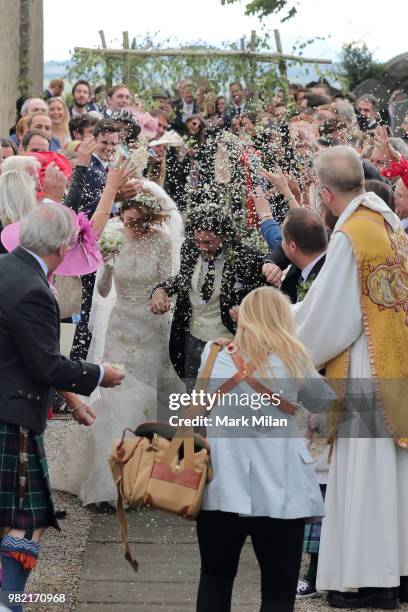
column 83, row 255
column 148, row 124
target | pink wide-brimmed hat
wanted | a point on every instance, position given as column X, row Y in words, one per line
column 83, row 255
column 148, row 124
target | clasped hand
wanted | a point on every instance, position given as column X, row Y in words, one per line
column 159, row 303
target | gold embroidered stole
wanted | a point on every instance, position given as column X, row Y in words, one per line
column 382, row 261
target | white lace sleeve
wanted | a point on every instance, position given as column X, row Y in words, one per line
column 166, row 258
column 104, row 284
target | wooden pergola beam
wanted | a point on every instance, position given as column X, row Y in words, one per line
column 251, row 55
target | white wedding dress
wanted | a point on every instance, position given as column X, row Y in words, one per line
column 136, row 339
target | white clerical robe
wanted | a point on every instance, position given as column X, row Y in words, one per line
column 364, row 540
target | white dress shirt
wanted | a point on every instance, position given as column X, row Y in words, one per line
column 187, row 111
column 306, row 271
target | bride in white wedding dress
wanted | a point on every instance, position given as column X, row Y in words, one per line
column 151, row 235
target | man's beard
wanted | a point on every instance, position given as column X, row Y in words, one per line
column 80, row 104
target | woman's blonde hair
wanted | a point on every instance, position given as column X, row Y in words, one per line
column 22, row 163
column 266, row 325
column 17, row 196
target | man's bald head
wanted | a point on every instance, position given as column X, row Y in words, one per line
column 340, row 170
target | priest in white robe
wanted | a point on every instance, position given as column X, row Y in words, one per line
column 363, row 558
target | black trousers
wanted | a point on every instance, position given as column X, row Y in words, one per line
column 277, row 545
column 193, row 350
column 83, row 337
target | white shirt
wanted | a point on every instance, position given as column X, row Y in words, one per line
column 306, row 271
column 104, row 163
column 404, row 223
column 40, row 261
column 187, row 111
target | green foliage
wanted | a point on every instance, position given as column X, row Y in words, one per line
column 146, row 74
column 263, row 8
column 357, row 64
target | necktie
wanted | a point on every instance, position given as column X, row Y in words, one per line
column 207, row 287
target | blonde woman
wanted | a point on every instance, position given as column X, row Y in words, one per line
column 264, row 481
column 59, row 115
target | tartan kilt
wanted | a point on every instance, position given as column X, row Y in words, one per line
column 38, row 508
column 311, row 539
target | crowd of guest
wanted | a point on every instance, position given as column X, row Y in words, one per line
column 223, row 137
column 209, row 198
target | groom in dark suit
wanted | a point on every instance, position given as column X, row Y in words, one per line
column 31, row 367
column 217, row 271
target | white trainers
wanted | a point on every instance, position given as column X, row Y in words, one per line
column 305, row 589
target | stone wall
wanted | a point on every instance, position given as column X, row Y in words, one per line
column 10, row 56
column 9, row 61
column 36, row 56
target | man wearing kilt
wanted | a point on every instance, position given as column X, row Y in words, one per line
column 31, row 368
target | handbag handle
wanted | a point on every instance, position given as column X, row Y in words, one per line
column 180, row 437
column 246, row 370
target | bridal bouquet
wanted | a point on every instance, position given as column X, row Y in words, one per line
column 138, row 157
column 111, row 241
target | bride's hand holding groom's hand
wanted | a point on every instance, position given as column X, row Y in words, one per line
column 159, row 303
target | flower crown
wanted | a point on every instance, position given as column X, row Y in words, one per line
column 148, row 200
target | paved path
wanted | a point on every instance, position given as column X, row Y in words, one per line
column 166, row 549
column 167, row 579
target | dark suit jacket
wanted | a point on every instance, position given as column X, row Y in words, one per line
column 177, row 123
column 242, row 272
column 31, row 365
column 94, row 184
column 232, row 110
column 176, row 178
column 290, row 282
